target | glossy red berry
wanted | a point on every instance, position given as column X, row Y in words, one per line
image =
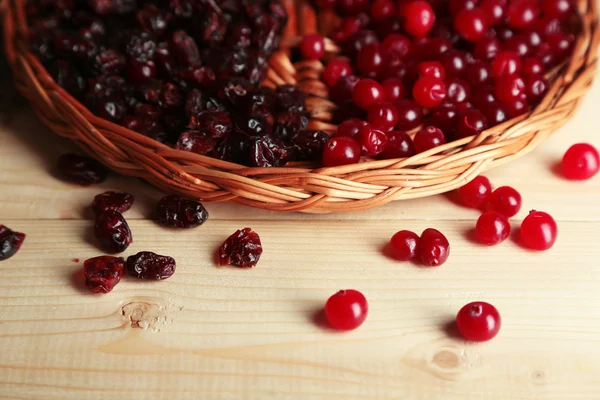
column 492, row 228
column 509, row 88
column 372, row 140
column 382, row 9
column 458, row 91
column 350, row 127
column 404, row 245
column 429, row 92
column 522, row 13
column 341, row 151
column 478, row 321
column 580, row 162
column 367, row 93
column 369, row 60
column 397, row 45
column 456, row 6
column 399, row 145
column 494, row 10
column 505, row 200
column 532, row 66
column 428, row 138
column 312, row 47
column 539, row 231
column 335, row 70
column 487, row 48
column 418, row 18
column 353, row 7
column 410, row 115
column 434, row 248
column 475, row 193
column 471, row 24
column 536, row 88
column 393, row 89
column 346, row 310
column 383, row 116
column 454, row 62
column 557, row 8
column 471, row 123
column 506, row 63
column 432, row 69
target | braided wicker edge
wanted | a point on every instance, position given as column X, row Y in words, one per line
column 301, row 187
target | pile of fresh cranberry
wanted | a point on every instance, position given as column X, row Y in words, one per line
column 453, row 68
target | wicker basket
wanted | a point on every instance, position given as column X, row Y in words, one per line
column 301, row 188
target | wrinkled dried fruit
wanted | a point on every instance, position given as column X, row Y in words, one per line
column 242, row 249
column 267, row 151
column 308, row 145
column 178, row 212
column 116, row 201
column 10, row 242
column 81, row 169
column 151, row 266
column 112, row 231
column 214, row 124
column 103, row 273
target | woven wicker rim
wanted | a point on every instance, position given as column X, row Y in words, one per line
column 301, row 187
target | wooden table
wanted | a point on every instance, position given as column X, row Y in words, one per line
column 221, row 333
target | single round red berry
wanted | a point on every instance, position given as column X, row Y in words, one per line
column 348, row 27
column 399, row 145
column 478, row 321
column 429, row 92
column 495, row 113
column 382, row 9
column 373, row 141
column 434, row 248
column 506, row 63
column 532, row 66
column 445, row 117
column 393, row 89
column 492, row 228
column 494, row 10
column 432, row 69
column 350, row 127
column 518, row 44
column 312, row 47
column 476, row 192
column 410, row 115
column 539, row 231
column 581, row 162
column 518, row 106
column 341, row 151
column 418, row 18
column 557, row 8
column 404, row 245
column 509, row 88
column 478, row 73
column 471, row 123
column 487, row 48
column 383, row 116
column 456, row 6
column 471, row 24
column 522, row 13
column 505, row 200
column 458, row 91
column 346, row 310
column 335, row 70
column 369, row 60
column 397, row 45
column 367, row 93
column 454, row 62
column 428, row 138
column 536, row 88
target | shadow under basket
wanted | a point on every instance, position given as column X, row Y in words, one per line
column 302, row 187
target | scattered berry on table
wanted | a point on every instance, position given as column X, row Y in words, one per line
column 103, row 273
column 475, row 193
column 242, row 249
column 346, row 310
column 539, row 231
column 10, row 242
column 404, row 245
column 434, row 248
column 505, row 200
column 178, row 212
column 580, row 162
column 117, row 201
column 150, row 266
column 492, row 228
column 112, row 232
column 478, row 321
column 81, row 170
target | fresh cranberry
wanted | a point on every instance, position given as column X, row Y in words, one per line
column 475, row 193
column 445, row 117
column 112, row 231
column 242, row 249
column 397, row 45
column 344, row 88
column 492, row 228
column 418, row 18
column 410, row 115
column 509, row 88
column 505, row 200
column 458, row 91
column 404, row 245
column 539, row 231
column 359, row 40
column 346, row 310
column 312, row 47
column 504, row 32
column 495, row 113
column 383, row 116
column 557, row 8
column 10, row 242
column 393, row 90
column 341, row 151
column 353, row 7
column 487, row 48
column 369, row 60
column 478, row 73
column 178, row 212
column 522, row 13
column 81, row 170
column 456, row 6
column 483, row 95
column 382, row 9
column 532, row 66
column 518, row 106
column 399, row 145
column 561, row 45
column 150, row 266
column 103, row 273
column 347, row 28
column 536, row 88
column 429, row 92
column 478, row 321
column 471, row 123
column 434, row 47
column 434, row 248
column 334, row 70
column 506, row 63
column 580, row 162
column 454, row 62
column 493, row 10
column 372, row 140
column 117, row 201
column 545, row 55
column 428, row 138
column 367, row 93
column 518, row 45
column 432, row 69
column 350, row 127
column 471, row 24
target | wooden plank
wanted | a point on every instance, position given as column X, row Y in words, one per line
column 227, row 333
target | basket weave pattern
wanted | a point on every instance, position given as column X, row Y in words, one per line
column 301, row 187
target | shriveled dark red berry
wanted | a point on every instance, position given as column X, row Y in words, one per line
column 178, row 212
column 82, row 170
column 196, row 142
column 214, row 124
column 112, row 231
column 242, row 249
column 103, row 273
column 308, row 145
column 268, row 151
column 10, row 242
column 150, row 266
column 117, row 201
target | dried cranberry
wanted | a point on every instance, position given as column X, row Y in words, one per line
column 178, row 212
column 68, row 77
column 242, row 249
column 308, row 145
column 214, row 124
column 10, row 242
column 267, row 151
column 150, row 266
column 233, row 90
column 103, row 273
column 112, row 231
column 81, row 169
column 290, row 98
column 152, row 19
column 108, row 62
column 260, row 101
column 141, row 46
column 116, row 201
column 287, row 124
column 184, row 48
column 170, row 96
column 196, row 142
column 252, row 126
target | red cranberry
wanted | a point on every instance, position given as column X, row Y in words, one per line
column 557, row 8
column 456, row 6
column 383, row 116
column 506, row 63
column 382, row 9
column 346, row 310
column 418, row 18
column 312, row 47
column 475, row 193
column 178, row 212
column 362, row 38
column 532, row 66
column 518, row 45
column 494, row 10
column 341, row 151
column 478, row 321
column 483, row 95
column 369, row 60
column 534, row 38
column 367, row 93
column 471, row 123
column 404, row 245
column 434, row 248
column 428, row 138
column 397, row 45
column 117, row 201
column 509, row 88
column 504, row 32
column 445, row 117
column 434, row 47
column 150, row 266
column 335, row 70
column 350, row 127
column 348, row 27
column 10, row 242
column 353, row 7
column 344, row 88
column 539, row 231
column 410, row 115
column 505, row 200
column 393, row 90
column 580, row 162
column 518, row 106
column 487, row 48
column 372, row 141
column 547, row 26
column 326, row 3
column 429, row 92
column 112, row 232
column 458, row 90
column 432, row 69
column 522, row 13
column 561, row 45
column 492, row 228
column 399, row 145
column 536, row 88
column 471, row 24
column 478, row 73
column 81, row 169
column 454, row 63
column 103, row 273
column 495, row 113
column 242, row 249
column 545, row 55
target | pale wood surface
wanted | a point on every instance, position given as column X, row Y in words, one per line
column 218, row 333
